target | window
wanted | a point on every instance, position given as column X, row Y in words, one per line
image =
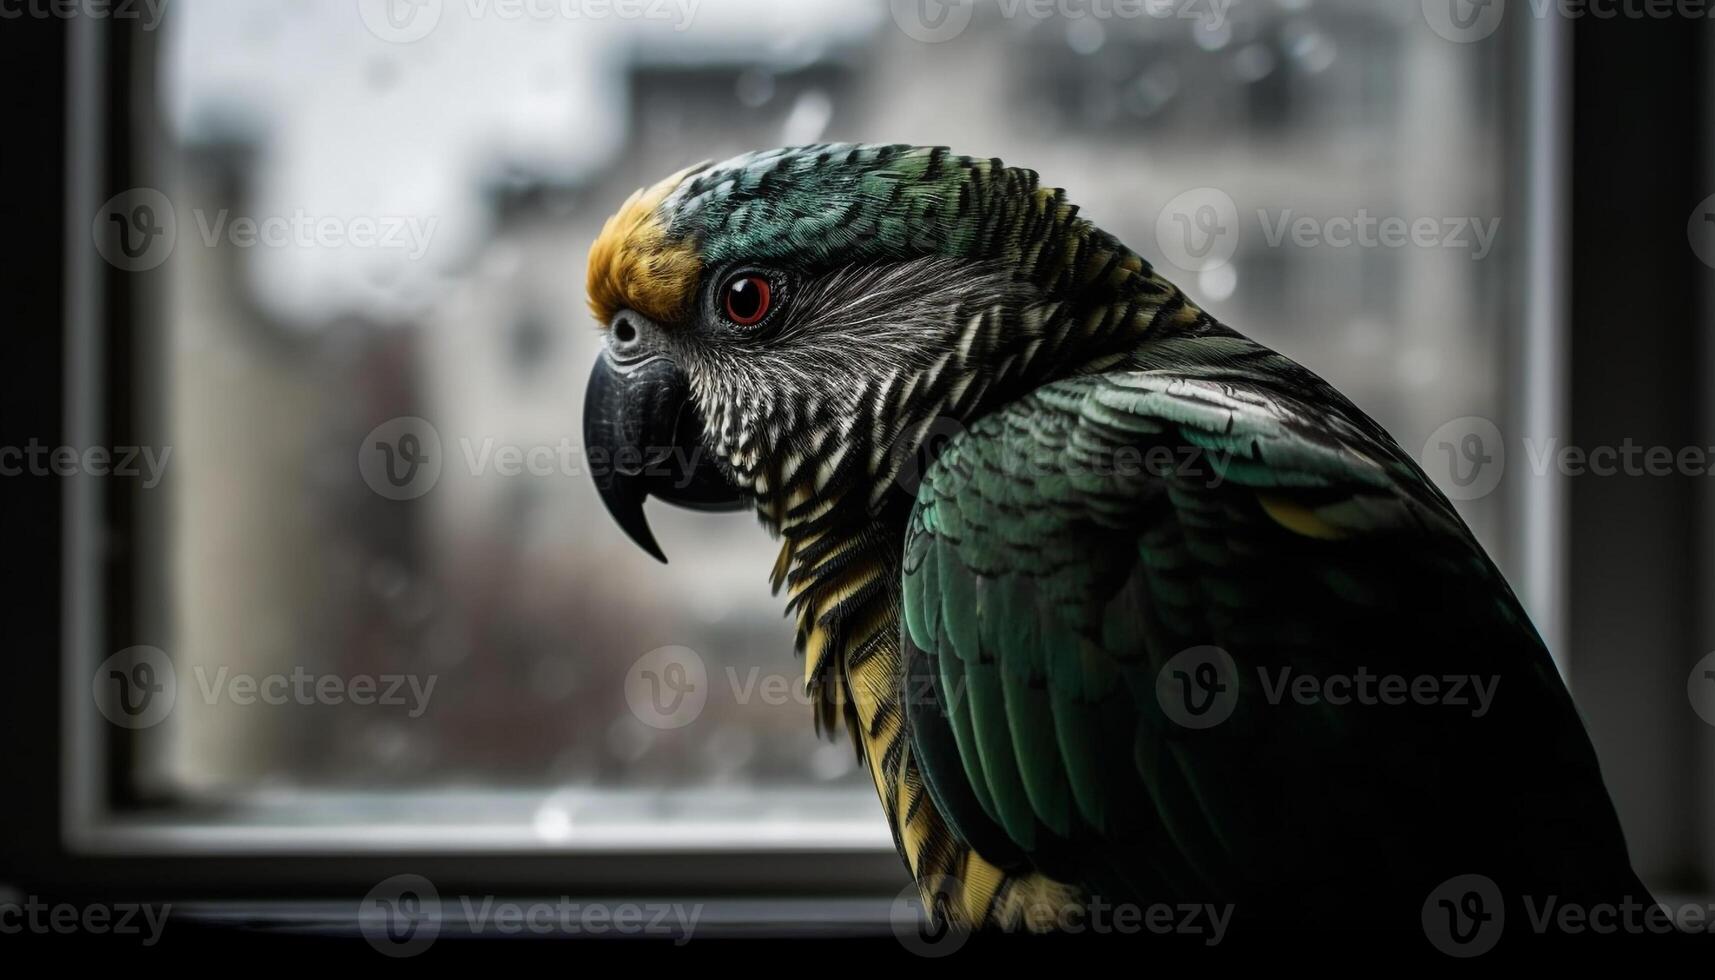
column 338, row 233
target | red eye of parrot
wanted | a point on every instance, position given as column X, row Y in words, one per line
column 746, row 300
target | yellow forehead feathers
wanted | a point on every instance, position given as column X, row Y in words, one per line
column 634, row 266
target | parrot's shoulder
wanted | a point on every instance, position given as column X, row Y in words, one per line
column 1218, row 419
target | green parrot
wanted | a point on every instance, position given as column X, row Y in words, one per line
column 1096, row 584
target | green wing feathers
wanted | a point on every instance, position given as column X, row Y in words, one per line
column 1064, row 549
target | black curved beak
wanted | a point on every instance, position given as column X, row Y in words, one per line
column 644, row 438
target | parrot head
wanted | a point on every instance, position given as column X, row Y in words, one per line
column 785, row 329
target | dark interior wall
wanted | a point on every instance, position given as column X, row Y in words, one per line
column 1705, row 597
column 1638, row 334
column 32, row 192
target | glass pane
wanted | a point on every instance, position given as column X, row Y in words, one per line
column 386, row 218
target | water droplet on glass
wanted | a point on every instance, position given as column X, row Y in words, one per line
column 629, row 739
column 754, row 88
column 1254, row 62
column 553, row 820
column 809, row 118
column 1211, row 36
column 830, row 761
column 1218, row 282
column 1150, row 92
column 1085, row 35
